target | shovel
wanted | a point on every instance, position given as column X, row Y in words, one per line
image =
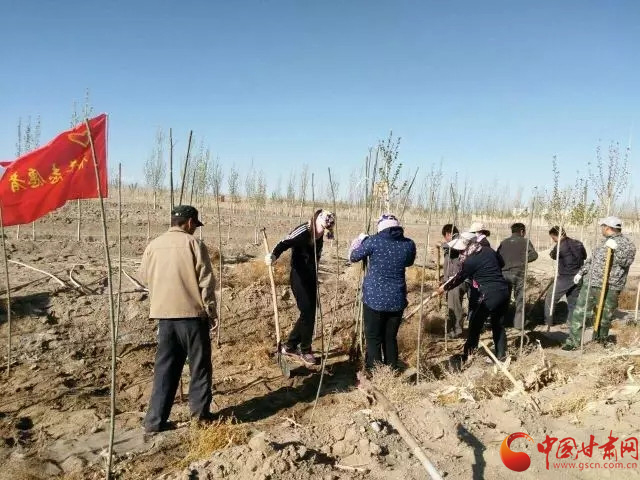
column 282, row 363
column 603, row 292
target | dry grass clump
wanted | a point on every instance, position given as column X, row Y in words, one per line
column 614, row 371
column 490, row 385
column 627, row 298
column 214, row 253
column 203, row 441
column 414, row 278
column 627, row 335
column 261, row 355
column 21, row 471
column 249, row 273
column 449, row 398
column 393, row 386
column 569, row 405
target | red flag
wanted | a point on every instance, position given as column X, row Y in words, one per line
column 45, row 179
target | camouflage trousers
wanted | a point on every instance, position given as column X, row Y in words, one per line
column 590, row 305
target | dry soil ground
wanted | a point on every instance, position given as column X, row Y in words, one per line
column 54, row 407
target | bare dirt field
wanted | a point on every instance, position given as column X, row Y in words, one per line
column 54, row 407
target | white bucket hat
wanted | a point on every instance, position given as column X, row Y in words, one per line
column 461, row 241
column 476, row 227
column 613, row 222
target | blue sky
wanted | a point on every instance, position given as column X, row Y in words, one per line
column 493, row 88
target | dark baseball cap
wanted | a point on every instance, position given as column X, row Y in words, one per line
column 186, row 211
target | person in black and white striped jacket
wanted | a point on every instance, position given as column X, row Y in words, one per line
column 303, row 279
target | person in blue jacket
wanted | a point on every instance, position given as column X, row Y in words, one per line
column 384, row 290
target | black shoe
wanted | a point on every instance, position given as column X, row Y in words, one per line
column 567, row 347
column 206, row 418
column 162, row 428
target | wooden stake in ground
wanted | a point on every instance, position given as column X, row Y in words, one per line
column 526, row 270
column 394, row 420
column 318, row 312
column 8, row 293
column 112, row 416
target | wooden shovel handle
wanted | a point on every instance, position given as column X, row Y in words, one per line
column 274, row 296
column 603, row 291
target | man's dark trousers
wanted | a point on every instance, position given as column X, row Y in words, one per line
column 564, row 286
column 179, row 339
column 515, row 278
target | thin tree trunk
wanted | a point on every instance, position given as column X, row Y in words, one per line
column 318, row 311
column 526, row 270
column 186, row 164
column 555, row 272
column 587, row 307
column 325, row 355
column 422, row 282
column 112, row 416
column 33, row 230
column 148, row 221
column 18, row 233
column 8, row 294
column 170, row 170
column 118, row 306
column 220, row 265
column 193, row 184
column 635, row 319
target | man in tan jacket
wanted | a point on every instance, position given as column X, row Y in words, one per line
column 177, row 270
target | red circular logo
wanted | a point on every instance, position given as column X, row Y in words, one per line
column 516, row 461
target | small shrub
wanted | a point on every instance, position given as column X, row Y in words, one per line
column 203, row 441
column 414, row 278
column 256, row 271
column 627, row 299
column 571, row 405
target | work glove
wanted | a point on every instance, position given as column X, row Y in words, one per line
column 577, row 279
column 611, row 243
column 357, row 242
column 269, row 259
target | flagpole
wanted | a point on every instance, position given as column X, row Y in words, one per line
column 6, row 273
column 112, row 416
column 118, row 307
